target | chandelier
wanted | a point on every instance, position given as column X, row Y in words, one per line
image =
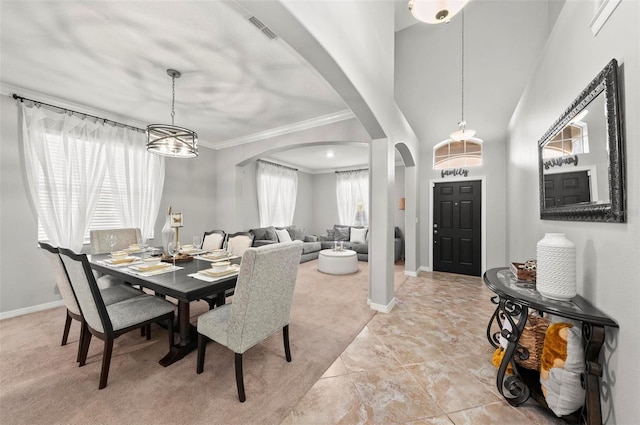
column 435, row 11
column 463, row 133
column 170, row 140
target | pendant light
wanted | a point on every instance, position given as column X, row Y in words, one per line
column 169, row 140
column 435, row 11
column 463, row 133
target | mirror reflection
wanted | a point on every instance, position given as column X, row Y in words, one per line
column 575, row 161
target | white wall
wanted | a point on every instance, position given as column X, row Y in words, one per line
column 608, row 267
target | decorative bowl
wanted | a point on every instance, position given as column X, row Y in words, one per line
column 220, row 266
column 119, row 255
column 135, row 247
column 151, row 260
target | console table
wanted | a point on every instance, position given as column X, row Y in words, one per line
column 513, row 300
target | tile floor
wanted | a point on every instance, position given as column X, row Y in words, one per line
column 426, row 362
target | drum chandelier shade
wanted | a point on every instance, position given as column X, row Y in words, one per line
column 170, row 140
column 435, row 11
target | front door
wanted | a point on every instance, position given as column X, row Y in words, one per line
column 456, row 227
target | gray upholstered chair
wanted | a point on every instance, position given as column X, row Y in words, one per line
column 237, row 243
column 108, row 322
column 213, row 240
column 110, row 240
column 261, row 305
column 122, row 238
column 110, row 295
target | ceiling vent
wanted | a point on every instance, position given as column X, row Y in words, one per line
column 263, row 28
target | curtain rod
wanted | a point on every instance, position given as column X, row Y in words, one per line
column 277, row 165
column 105, row 120
column 352, row 171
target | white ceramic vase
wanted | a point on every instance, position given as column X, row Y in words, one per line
column 556, row 268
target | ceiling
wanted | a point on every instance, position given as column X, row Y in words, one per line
column 110, row 59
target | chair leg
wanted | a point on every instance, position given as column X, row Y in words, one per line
column 85, row 345
column 147, row 330
column 83, row 335
column 106, row 362
column 285, row 337
column 202, row 347
column 67, row 326
column 239, row 378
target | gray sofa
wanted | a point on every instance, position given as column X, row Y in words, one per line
column 362, row 249
column 311, row 245
column 267, row 235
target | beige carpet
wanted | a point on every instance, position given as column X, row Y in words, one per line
column 40, row 382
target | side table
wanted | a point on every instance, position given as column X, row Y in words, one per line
column 513, row 303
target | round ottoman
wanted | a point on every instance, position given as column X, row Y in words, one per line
column 337, row 262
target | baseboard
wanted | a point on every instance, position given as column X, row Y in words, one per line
column 32, row 309
column 424, row 269
column 412, row 274
column 383, row 308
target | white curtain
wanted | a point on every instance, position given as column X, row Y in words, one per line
column 66, row 160
column 352, row 192
column 137, row 180
column 277, row 191
column 66, row 202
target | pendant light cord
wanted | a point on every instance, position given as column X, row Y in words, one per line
column 462, row 103
column 173, row 98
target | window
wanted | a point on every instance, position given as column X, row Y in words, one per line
column 352, row 193
column 277, row 192
column 453, row 154
column 105, row 215
column 572, row 140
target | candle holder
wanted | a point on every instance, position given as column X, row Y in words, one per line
column 176, row 223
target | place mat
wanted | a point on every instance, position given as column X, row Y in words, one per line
column 215, row 259
column 170, row 268
column 149, row 267
column 193, row 251
column 127, row 261
column 207, row 278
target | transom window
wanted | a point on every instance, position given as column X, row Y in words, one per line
column 572, row 140
column 454, row 154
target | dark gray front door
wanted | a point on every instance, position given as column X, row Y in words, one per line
column 566, row 188
column 457, row 227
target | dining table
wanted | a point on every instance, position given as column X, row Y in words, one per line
column 178, row 283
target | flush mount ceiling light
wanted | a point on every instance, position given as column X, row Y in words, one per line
column 435, row 11
column 169, row 140
column 464, row 133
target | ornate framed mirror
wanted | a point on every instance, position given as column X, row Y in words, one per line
column 581, row 157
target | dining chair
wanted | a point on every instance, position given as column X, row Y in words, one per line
column 238, row 243
column 213, row 240
column 109, row 240
column 107, row 322
column 261, row 305
column 110, row 295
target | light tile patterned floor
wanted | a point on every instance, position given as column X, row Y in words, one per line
column 426, row 362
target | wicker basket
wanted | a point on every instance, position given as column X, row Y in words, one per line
column 532, row 339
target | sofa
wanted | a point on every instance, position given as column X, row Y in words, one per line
column 356, row 240
column 269, row 235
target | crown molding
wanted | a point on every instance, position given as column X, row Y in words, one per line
column 285, row 129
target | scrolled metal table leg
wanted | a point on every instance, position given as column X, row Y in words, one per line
column 514, row 384
column 592, row 340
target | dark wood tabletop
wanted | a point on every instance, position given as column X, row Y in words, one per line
column 179, row 285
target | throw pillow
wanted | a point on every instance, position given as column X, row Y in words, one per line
column 271, row 234
column 296, row 234
column 310, row 238
column 562, row 363
column 331, row 234
column 341, row 233
column 358, row 235
column 283, row 235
